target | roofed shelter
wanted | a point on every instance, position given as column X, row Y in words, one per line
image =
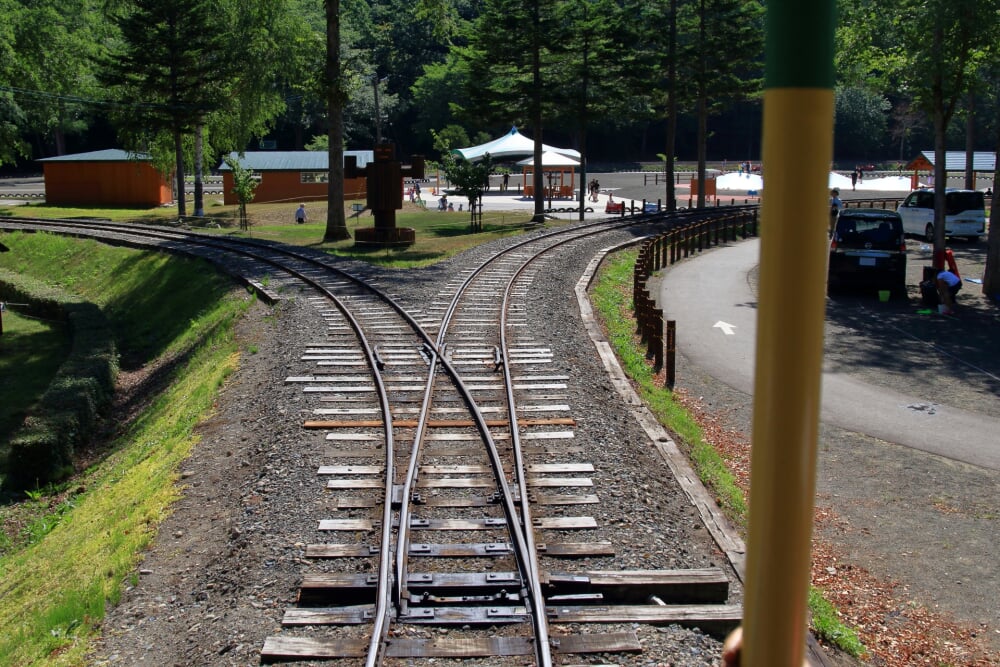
column 111, row 177
column 984, row 161
column 510, row 146
column 552, row 164
column 293, row 175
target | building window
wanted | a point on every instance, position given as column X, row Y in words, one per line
column 314, row 176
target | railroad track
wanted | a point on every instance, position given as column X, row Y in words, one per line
column 459, row 489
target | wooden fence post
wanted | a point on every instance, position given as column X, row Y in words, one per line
column 671, row 344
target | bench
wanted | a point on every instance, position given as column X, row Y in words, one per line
column 615, row 208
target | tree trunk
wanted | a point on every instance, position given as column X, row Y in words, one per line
column 940, row 185
column 536, row 113
column 179, row 171
column 60, row 140
column 970, row 143
column 702, row 142
column 582, row 114
column 668, row 168
column 991, row 276
column 336, row 220
column 702, row 104
column 538, row 177
column 583, row 172
column 199, row 192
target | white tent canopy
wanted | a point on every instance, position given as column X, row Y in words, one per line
column 511, row 145
column 551, row 159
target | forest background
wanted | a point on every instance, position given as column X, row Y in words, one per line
column 462, row 69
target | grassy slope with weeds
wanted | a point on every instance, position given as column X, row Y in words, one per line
column 612, row 298
column 54, row 590
column 30, row 354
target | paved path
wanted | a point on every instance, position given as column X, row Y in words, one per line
column 713, row 288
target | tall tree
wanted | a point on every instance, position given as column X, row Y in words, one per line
column 725, row 61
column 593, row 65
column 654, row 39
column 509, row 60
column 861, row 117
column 267, row 42
column 336, row 99
column 990, row 84
column 12, row 144
column 946, row 40
column 929, row 48
column 440, row 97
column 56, row 43
column 172, row 51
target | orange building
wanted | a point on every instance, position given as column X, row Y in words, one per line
column 293, row 176
column 110, row 177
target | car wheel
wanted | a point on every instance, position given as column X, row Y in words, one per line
column 929, row 234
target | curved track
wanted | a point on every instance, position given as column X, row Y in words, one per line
column 451, row 390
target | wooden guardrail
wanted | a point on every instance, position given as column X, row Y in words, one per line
column 678, row 243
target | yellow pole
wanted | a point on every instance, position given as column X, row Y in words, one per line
column 797, row 149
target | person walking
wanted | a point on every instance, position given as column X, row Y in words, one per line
column 854, row 179
column 300, row 214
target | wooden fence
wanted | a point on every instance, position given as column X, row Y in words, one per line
column 686, row 238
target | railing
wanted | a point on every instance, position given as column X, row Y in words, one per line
column 884, row 203
column 685, row 239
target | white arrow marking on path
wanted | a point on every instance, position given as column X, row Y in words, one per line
column 726, row 327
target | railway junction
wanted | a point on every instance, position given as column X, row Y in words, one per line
column 276, row 522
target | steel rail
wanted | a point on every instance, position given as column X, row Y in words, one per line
column 381, row 616
column 522, row 535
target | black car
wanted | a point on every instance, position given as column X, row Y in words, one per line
column 868, row 249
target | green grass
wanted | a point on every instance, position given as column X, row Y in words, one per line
column 439, row 234
column 70, row 553
column 826, row 622
column 30, row 354
column 147, row 296
column 612, row 301
column 45, row 211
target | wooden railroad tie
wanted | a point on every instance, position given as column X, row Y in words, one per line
column 434, row 423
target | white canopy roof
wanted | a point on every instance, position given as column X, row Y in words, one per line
column 511, row 145
column 550, row 159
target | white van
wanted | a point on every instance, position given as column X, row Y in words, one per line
column 965, row 214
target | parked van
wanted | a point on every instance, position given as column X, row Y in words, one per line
column 965, row 214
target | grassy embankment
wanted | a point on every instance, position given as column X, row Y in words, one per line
column 30, row 354
column 68, row 549
column 612, row 298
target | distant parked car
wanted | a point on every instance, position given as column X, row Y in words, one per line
column 868, row 249
column 965, row 214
